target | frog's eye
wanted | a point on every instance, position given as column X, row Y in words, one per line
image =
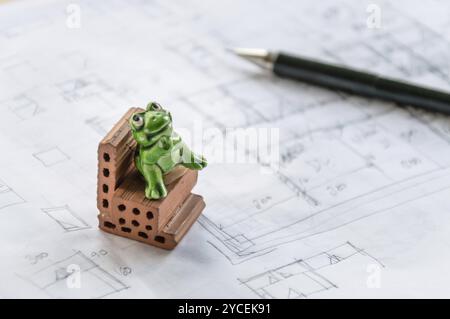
column 153, row 106
column 156, row 106
column 138, row 121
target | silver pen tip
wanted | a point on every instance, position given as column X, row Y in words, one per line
column 250, row 52
column 261, row 57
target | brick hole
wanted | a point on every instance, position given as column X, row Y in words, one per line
column 121, row 221
column 106, row 157
column 121, row 207
column 126, row 229
column 105, row 203
column 109, row 225
column 149, row 215
column 135, row 223
column 136, row 211
column 148, row 227
column 106, row 172
column 105, row 188
column 142, row 234
column 160, row 239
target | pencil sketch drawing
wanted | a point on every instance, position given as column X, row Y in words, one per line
column 358, row 181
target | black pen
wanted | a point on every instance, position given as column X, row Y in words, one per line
column 348, row 80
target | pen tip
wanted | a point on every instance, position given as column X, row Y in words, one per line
column 250, row 52
column 261, row 57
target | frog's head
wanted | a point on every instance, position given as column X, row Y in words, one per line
column 147, row 127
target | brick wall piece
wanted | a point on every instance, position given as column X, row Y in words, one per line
column 171, row 234
column 130, row 195
column 115, row 160
column 184, row 218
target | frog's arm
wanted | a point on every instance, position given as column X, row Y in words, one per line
column 191, row 160
column 142, row 139
column 165, row 142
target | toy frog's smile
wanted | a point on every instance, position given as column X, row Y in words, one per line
column 153, row 131
column 156, row 132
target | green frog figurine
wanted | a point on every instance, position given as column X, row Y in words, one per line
column 159, row 149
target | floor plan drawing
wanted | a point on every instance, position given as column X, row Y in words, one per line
column 350, row 181
column 94, row 281
column 301, row 278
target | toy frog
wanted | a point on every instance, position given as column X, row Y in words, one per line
column 159, row 149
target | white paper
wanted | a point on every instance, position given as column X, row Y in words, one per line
column 359, row 207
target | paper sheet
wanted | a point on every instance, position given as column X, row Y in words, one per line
column 359, row 206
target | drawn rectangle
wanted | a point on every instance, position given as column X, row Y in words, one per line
column 67, row 219
column 51, row 156
column 23, row 107
column 9, row 197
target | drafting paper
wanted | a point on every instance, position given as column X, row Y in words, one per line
column 358, row 207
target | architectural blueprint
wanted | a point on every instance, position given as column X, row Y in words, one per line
column 359, row 205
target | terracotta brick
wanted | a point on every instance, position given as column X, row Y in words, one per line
column 171, row 234
column 130, row 195
column 184, row 218
column 115, row 160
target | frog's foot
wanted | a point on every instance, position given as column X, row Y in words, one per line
column 196, row 162
column 156, row 191
column 159, row 191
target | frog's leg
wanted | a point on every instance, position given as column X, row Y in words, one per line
column 191, row 160
column 155, row 188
